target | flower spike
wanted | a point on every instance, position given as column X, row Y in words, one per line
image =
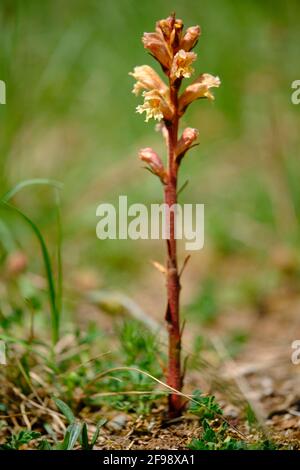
column 172, row 47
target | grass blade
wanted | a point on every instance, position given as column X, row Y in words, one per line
column 23, row 184
column 65, row 409
column 96, row 433
column 59, row 294
column 84, row 438
column 55, row 315
column 72, row 435
column 55, row 294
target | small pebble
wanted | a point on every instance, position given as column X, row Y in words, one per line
column 117, row 423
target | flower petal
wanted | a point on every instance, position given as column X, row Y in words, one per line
column 181, row 66
column 200, row 88
column 147, row 79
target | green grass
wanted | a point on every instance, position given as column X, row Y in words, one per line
column 55, row 292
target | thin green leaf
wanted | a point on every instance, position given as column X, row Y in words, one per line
column 65, row 410
column 54, row 297
column 96, row 433
column 55, row 315
column 65, row 443
column 182, row 188
column 58, row 253
column 84, row 438
column 74, row 431
column 23, row 184
column 6, row 238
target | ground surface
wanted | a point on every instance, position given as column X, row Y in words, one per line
column 259, row 374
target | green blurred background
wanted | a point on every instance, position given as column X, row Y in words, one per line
column 70, row 115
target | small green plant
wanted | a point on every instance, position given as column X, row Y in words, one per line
column 215, row 434
column 76, row 432
column 15, row 441
column 216, row 439
column 206, row 407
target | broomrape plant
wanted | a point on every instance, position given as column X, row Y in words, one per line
column 172, row 47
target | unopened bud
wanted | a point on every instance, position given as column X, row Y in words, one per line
column 166, row 26
column 187, row 139
column 175, row 37
column 150, row 157
column 157, row 46
column 190, row 38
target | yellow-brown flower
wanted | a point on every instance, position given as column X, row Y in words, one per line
column 200, row 88
column 181, row 66
column 147, row 79
column 156, row 105
column 164, row 43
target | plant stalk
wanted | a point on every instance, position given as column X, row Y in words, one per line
column 174, row 376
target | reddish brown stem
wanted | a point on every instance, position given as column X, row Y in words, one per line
column 174, row 377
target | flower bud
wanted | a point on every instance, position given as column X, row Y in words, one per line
column 190, row 38
column 200, row 88
column 150, row 157
column 158, row 47
column 188, row 137
column 166, row 26
column 175, row 37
